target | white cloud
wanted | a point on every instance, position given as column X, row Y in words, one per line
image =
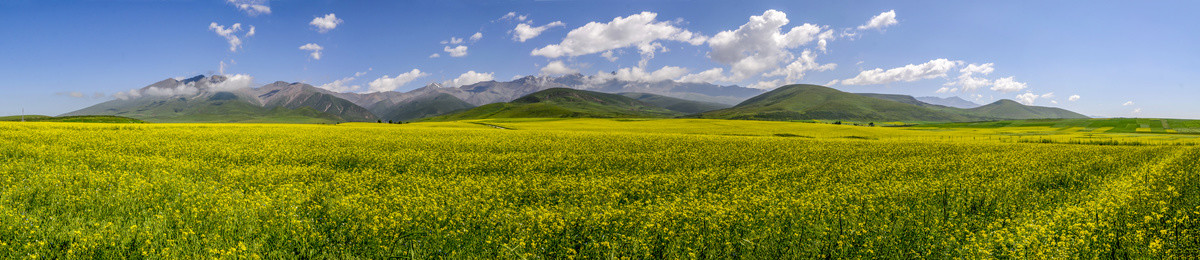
column 634, row 30
column 967, row 79
column 525, row 32
column 233, row 82
column 1007, row 85
column 609, row 55
column 458, row 51
column 386, row 83
column 1048, row 95
column 806, row 62
column 909, row 73
column 342, row 85
column 708, row 76
column 1027, row 98
column 880, row 21
column 228, row 34
column 475, row 37
column 468, row 78
column 326, row 23
column 767, row 84
column 1137, row 111
column 946, row 90
column 435, row 55
column 314, row 48
column 1127, row 103
column 181, row 90
column 453, row 40
column 760, row 45
column 833, row 82
column 557, row 68
column 250, row 32
column 1073, row 98
column 637, row 74
column 514, row 16
column 252, row 7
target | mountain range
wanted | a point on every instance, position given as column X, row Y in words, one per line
column 221, row 99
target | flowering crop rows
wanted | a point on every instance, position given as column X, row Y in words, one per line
column 459, row 190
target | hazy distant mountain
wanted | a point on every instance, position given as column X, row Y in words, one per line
column 426, row 105
column 803, row 102
column 676, row 104
column 297, row 95
column 954, row 101
column 488, row 92
column 217, row 99
column 564, row 103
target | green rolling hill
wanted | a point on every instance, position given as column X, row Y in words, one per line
column 564, row 103
column 803, row 102
column 1008, row 109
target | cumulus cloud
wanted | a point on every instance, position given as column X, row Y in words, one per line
column 1007, row 85
column 181, row 90
column 1073, row 98
column 252, row 7
column 1127, row 103
column 707, row 76
column 514, row 16
column 314, row 49
column 435, row 55
column 880, row 21
column 342, row 85
column 457, row 51
column 1027, row 98
column 326, row 23
column 967, row 79
column 806, row 62
column 557, row 68
column 476, row 36
column 1136, row 111
column 233, row 82
column 635, row 30
column 525, row 32
column 386, row 83
column 909, row 73
column 229, row 34
column 453, row 40
column 767, row 84
column 638, row 74
column 250, row 32
column 760, row 45
column 468, row 78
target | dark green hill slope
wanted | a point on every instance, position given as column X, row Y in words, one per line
column 1008, row 109
column 802, row 102
column 675, row 104
column 562, row 103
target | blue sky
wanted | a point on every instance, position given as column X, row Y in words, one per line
column 1119, row 58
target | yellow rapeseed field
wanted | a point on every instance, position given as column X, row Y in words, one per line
column 592, row 188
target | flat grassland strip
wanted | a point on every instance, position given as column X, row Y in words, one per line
column 583, row 189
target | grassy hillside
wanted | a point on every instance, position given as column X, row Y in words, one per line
column 564, row 103
column 73, row 119
column 803, row 102
column 425, row 106
column 676, row 104
column 1008, row 109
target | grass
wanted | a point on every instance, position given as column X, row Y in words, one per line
column 592, row 188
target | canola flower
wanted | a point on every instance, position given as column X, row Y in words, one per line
column 558, row 189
